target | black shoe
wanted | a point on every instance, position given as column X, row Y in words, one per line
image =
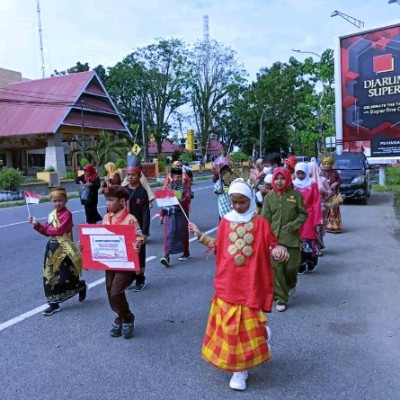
column 51, row 309
column 184, row 257
column 82, row 293
column 138, row 287
column 116, row 330
column 302, row 270
column 127, row 329
column 165, row 261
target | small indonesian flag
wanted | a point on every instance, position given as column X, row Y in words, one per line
column 166, row 198
column 32, row 198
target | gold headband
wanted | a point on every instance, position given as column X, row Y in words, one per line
column 58, row 192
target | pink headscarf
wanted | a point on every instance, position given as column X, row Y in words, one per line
column 315, row 173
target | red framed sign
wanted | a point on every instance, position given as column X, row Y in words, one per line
column 108, row 247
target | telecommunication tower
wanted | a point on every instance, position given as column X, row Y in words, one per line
column 40, row 36
column 206, row 40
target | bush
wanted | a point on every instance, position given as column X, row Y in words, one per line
column 11, row 179
column 186, row 157
column 239, row 156
column 50, row 169
column 83, row 161
column 120, row 163
column 69, row 175
column 162, row 161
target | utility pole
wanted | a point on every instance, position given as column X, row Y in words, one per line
column 261, row 129
column 143, row 134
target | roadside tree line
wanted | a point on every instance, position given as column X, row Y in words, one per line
column 172, row 85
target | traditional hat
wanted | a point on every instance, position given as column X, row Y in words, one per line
column 177, row 164
column 58, row 191
column 176, row 171
column 326, row 157
column 133, row 163
column 116, row 191
column 291, row 161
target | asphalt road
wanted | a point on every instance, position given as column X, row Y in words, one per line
column 339, row 338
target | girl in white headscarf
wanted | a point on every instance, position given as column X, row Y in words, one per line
column 308, row 232
column 243, row 287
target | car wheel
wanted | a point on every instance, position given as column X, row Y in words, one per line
column 364, row 201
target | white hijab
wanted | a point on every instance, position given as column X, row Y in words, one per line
column 240, row 186
column 307, row 181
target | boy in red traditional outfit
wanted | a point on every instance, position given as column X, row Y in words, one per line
column 118, row 281
column 244, row 287
column 62, row 261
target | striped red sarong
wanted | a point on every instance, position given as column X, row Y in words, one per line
column 235, row 338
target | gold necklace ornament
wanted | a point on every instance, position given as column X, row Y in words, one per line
column 241, row 239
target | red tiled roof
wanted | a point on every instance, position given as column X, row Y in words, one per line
column 215, row 147
column 40, row 106
column 167, row 147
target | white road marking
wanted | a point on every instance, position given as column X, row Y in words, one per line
column 78, row 211
column 41, row 308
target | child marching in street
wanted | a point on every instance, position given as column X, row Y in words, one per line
column 62, row 261
column 308, row 232
column 176, row 235
column 138, row 205
column 285, row 211
column 118, row 281
column 236, row 337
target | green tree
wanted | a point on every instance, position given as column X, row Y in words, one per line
column 215, row 77
column 83, row 67
column 108, row 149
column 153, row 79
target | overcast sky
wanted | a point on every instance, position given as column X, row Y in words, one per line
column 105, row 31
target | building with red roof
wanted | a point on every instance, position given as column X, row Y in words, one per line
column 49, row 113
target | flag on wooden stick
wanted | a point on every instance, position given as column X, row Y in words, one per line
column 32, row 198
column 166, row 198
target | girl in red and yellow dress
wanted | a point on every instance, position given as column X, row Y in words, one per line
column 236, row 335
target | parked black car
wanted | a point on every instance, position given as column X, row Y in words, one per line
column 354, row 172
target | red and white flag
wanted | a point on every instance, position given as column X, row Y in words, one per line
column 166, row 198
column 32, row 198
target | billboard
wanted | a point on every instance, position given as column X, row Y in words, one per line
column 370, row 91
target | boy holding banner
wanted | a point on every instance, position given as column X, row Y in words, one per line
column 174, row 216
column 118, row 281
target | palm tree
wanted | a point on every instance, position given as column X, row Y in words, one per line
column 109, row 149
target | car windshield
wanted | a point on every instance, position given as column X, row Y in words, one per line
column 348, row 163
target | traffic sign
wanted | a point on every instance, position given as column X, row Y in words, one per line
column 136, row 149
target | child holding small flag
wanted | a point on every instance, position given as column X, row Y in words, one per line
column 237, row 336
column 175, row 219
column 62, row 261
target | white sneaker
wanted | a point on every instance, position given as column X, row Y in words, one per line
column 280, row 307
column 292, row 291
column 238, row 380
column 268, row 337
